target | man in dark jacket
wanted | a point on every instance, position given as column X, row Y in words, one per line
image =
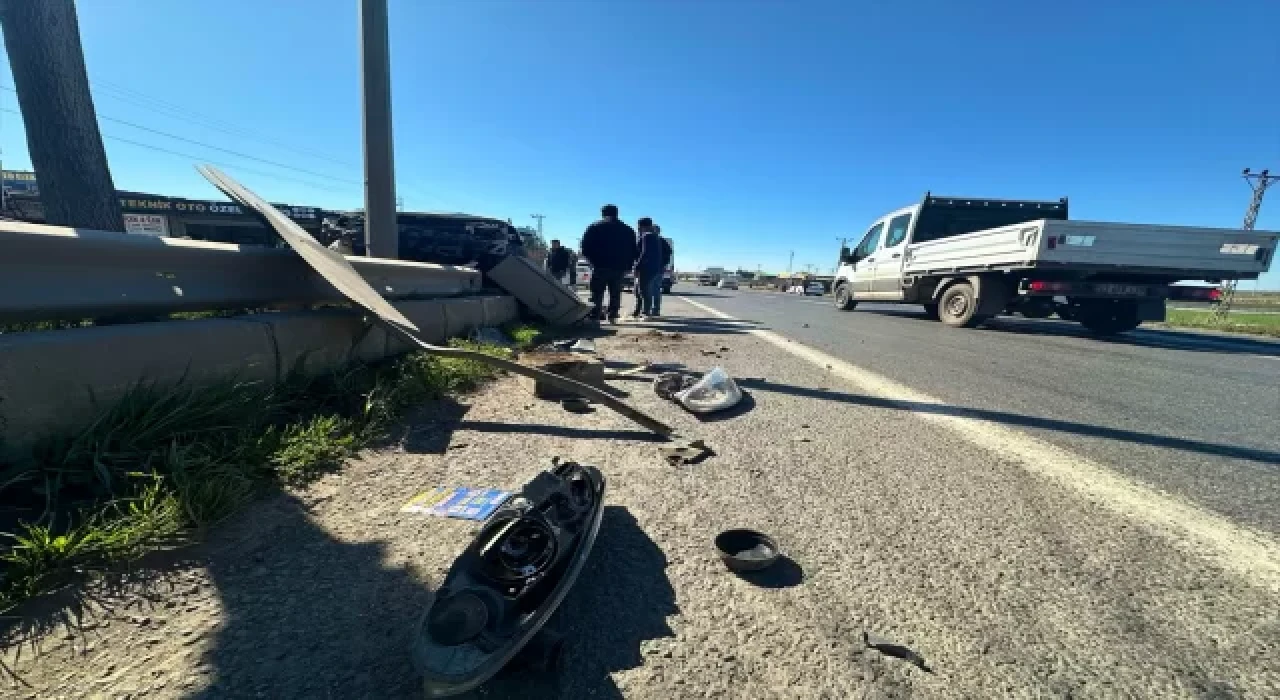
column 610, row 246
column 559, row 261
column 651, row 261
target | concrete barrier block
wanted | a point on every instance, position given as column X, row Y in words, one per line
column 322, row 341
column 428, row 316
column 500, row 310
column 51, row 380
column 463, row 315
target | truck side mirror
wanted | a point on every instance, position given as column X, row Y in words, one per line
column 846, row 256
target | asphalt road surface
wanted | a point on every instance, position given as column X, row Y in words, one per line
column 1191, row 414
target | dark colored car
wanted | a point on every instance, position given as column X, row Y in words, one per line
column 444, row 238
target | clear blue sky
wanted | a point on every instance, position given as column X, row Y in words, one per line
column 748, row 129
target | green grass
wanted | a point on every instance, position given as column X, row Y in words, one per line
column 1236, row 321
column 165, row 462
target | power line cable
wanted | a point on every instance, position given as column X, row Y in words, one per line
column 129, row 95
column 202, row 144
column 241, row 168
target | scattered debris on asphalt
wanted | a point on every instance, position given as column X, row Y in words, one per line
column 716, row 391
column 629, row 372
column 583, row 345
column 578, row 366
column 505, row 586
column 668, row 384
column 694, row 452
column 457, row 502
column 889, row 648
column 746, row 550
column 338, row 272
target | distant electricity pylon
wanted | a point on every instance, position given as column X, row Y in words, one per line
column 1258, row 182
column 539, row 217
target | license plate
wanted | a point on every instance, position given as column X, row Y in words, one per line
column 1121, row 290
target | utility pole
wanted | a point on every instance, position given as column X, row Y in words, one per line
column 381, row 232
column 539, row 217
column 47, row 60
column 1258, row 182
column 790, row 260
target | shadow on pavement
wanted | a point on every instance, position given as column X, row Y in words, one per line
column 785, row 573
column 694, row 325
column 1018, row 419
column 1148, row 337
column 307, row 615
column 559, row 431
column 622, row 598
column 744, row 406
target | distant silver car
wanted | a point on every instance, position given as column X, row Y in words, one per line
column 814, row 289
column 728, row 283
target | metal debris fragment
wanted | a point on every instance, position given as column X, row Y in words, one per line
column 889, row 648
column 694, row 452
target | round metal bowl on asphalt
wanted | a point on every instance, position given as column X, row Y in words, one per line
column 746, row 550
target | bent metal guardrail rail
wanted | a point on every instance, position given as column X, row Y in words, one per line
column 51, row 273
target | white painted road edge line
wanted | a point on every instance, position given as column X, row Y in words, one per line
column 1251, row 554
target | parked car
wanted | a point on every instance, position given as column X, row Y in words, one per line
column 814, row 289
column 584, row 273
column 728, row 283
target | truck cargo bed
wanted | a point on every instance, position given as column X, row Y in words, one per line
column 1183, row 252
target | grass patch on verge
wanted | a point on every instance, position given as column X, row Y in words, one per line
column 1236, row 321
column 165, row 462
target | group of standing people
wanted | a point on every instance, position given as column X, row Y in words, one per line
column 614, row 248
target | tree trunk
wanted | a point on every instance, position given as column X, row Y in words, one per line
column 43, row 41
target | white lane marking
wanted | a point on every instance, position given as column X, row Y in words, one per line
column 1253, row 555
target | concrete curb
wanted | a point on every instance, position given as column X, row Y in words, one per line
column 54, row 382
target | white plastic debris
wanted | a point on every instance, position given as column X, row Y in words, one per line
column 716, row 391
column 583, row 345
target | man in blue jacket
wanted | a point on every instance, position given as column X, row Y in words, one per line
column 610, row 246
column 651, row 261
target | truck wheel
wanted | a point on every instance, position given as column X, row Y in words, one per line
column 958, row 306
column 931, row 312
column 844, row 298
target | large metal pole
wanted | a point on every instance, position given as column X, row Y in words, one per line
column 381, row 235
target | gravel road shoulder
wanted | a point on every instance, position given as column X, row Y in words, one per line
column 1008, row 586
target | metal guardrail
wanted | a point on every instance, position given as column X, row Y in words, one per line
column 51, row 272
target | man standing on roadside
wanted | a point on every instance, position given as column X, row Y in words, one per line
column 651, row 261
column 610, row 246
column 559, row 261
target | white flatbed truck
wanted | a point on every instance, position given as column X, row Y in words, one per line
column 966, row 260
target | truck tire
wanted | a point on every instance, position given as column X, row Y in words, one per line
column 958, row 306
column 931, row 312
column 844, row 297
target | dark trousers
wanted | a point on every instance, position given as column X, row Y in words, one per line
column 649, row 293
column 601, row 280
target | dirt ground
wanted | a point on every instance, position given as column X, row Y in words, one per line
column 1006, row 584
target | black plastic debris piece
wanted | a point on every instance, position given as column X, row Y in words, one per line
column 576, row 404
column 506, row 585
column 668, row 384
column 746, row 550
column 888, row 648
column 694, row 452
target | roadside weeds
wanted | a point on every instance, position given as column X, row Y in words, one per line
column 164, row 463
